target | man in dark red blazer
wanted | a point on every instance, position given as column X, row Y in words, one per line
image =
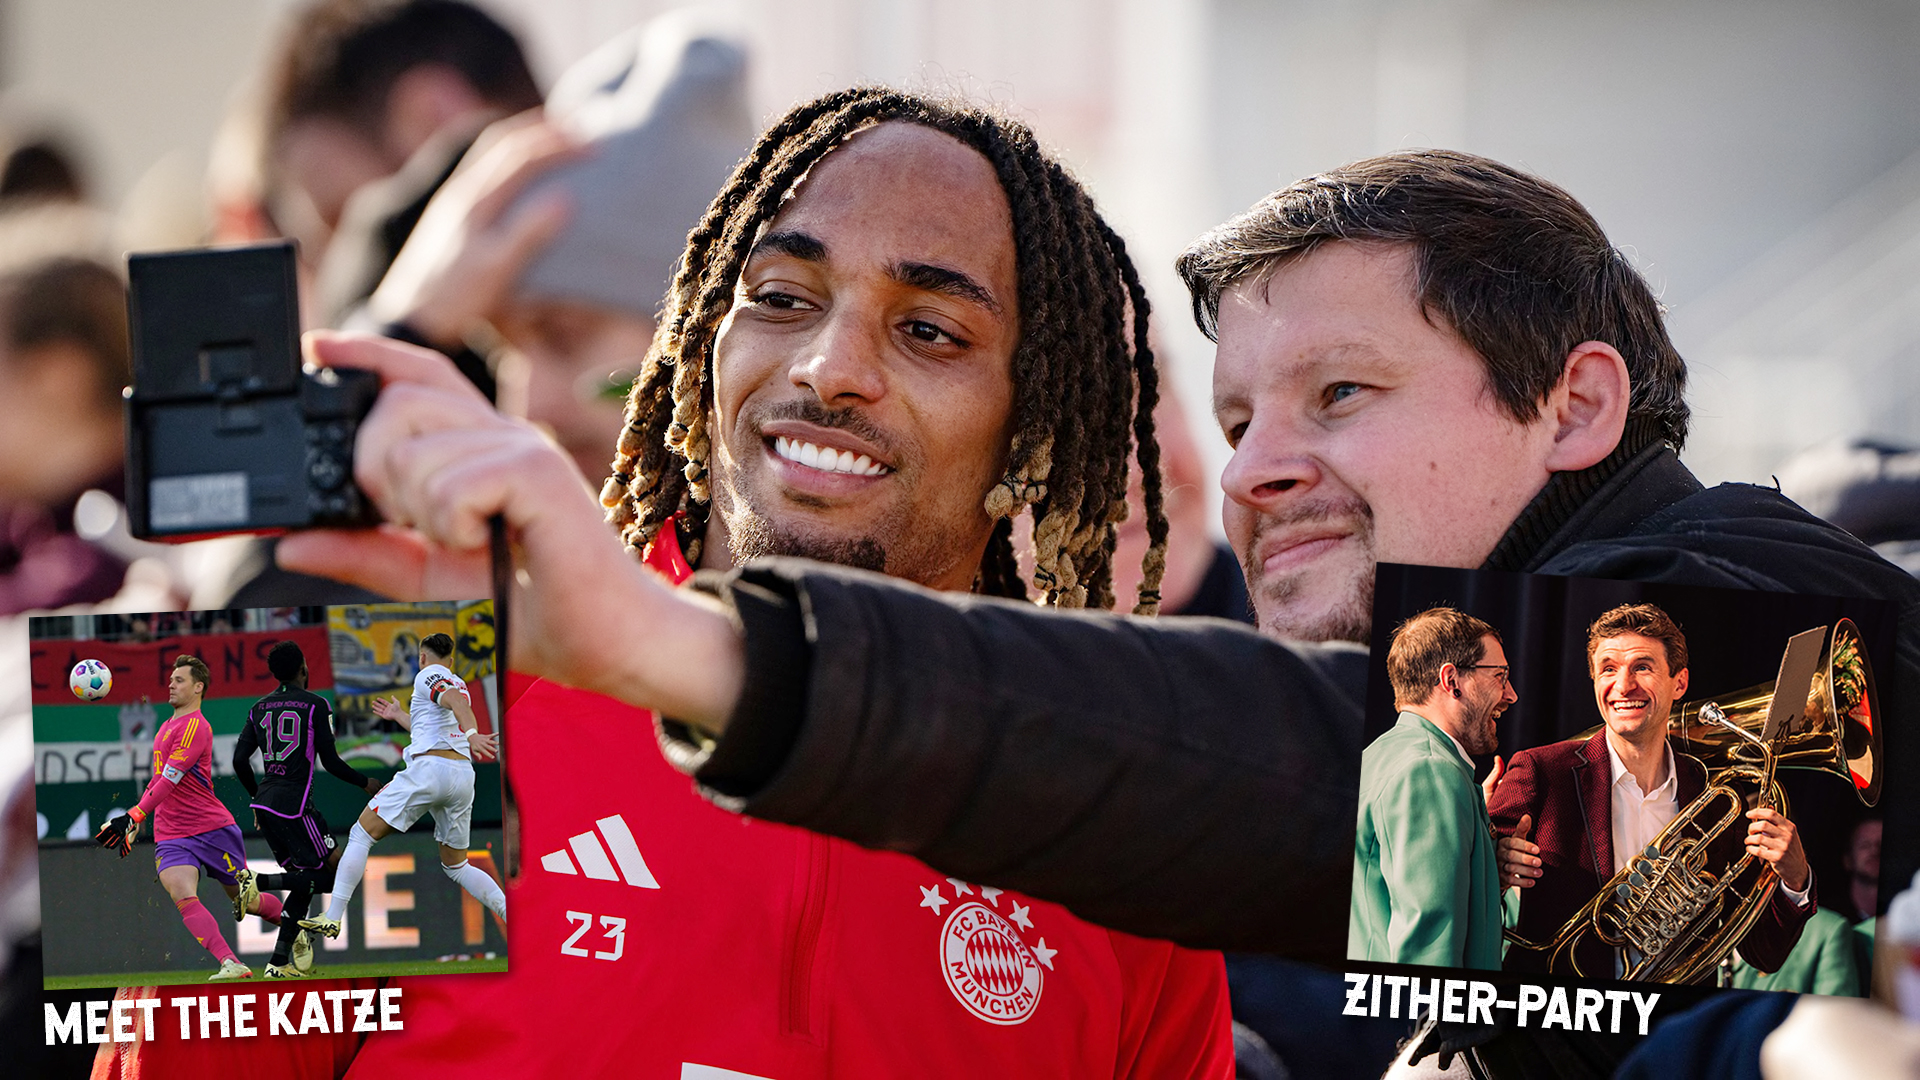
column 1572, row 813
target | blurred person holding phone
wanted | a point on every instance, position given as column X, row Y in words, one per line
column 360, row 91
column 359, row 113
column 560, row 233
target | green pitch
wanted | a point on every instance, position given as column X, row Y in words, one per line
column 320, row 971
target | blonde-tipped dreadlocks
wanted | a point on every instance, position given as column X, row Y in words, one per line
column 1084, row 384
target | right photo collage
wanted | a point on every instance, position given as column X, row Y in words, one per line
column 1603, row 780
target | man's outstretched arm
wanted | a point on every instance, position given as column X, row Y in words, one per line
column 389, row 709
column 1186, row 779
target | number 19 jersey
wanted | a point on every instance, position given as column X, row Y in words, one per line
column 288, row 726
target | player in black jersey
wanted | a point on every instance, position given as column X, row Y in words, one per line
column 292, row 728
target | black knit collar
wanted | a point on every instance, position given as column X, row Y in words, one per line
column 1567, row 509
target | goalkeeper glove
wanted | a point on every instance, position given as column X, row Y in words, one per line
column 119, row 831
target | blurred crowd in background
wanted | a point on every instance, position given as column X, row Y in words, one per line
column 444, row 187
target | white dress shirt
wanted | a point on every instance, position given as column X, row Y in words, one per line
column 1638, row 816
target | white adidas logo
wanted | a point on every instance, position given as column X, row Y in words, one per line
column 593, row 858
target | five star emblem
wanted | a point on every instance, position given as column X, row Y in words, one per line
column 931, row 897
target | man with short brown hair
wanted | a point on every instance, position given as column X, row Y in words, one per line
column 1425, row 890
column 1572, row 814
column 1645, row 620
column 1426, row 357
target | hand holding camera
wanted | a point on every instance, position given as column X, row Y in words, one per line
column 227, row 433
column 438, row 462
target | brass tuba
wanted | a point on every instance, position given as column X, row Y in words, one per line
column 1682, row 904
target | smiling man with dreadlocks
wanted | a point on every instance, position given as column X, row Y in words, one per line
column 1078, row 357
column 899, row 325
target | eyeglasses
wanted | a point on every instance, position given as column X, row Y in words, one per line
column 1501, row 668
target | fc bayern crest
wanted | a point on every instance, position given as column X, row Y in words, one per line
column 993, row 973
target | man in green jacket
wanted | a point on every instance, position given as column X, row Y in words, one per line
column 1426, row 888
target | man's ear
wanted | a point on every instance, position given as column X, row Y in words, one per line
column 1588, row 408
column 1680, row 684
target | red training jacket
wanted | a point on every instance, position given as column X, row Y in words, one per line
column 654, row 935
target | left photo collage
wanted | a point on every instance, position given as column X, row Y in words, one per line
column 268, row 793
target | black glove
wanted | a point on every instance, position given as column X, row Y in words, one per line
column 117, row 834
column 1449, row 1039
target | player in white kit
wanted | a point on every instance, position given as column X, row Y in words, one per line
column 437, row 780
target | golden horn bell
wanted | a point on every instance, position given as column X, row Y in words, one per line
column 1842, row 738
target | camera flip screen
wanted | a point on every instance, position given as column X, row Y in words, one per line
column 212, row 322
column 225, row 432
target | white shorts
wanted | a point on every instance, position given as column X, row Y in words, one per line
column 433, row 785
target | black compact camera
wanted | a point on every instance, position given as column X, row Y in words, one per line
column 225, row 432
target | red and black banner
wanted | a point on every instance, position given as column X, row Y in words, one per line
column 238, row 662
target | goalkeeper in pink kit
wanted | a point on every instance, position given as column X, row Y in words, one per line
column 192, row 828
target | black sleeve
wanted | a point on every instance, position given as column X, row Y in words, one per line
column 1186, row 779
column 329, row 756
column 243, row 748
